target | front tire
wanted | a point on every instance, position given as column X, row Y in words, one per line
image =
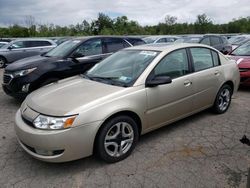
column 223, row 99
column 117, row 139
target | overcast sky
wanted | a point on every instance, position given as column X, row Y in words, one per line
column 146, row 12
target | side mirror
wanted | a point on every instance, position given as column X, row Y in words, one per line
column 10, row 48
column 76, row 55
column 158, row 80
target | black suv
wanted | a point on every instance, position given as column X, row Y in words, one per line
column 219, row 42
column 72, row 57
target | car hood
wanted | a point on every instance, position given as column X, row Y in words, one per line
column 68, row 96
column 30, row 62
column 242, row 61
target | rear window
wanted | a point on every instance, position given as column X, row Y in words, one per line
column 215, row 41
column 135, row 41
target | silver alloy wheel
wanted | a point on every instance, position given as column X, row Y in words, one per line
column 119, row 139
column 1, row 63
column 224, row 99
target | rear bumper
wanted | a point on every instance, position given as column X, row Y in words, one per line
column 66, row 145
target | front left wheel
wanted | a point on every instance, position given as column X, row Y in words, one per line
column 117, row 139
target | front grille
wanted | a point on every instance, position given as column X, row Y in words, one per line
column 243, row 69
column 7, row 78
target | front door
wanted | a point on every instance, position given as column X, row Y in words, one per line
column 166, row 103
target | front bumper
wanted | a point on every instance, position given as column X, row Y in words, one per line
column 66, row 145
column 245, row 78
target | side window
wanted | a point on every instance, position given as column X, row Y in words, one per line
column 170, row 39
column 215, row 41
column 162, row 40
column 43, row 43
column 202, row 58
column 18, row 44
column 224, row 40
column 87, row 48
column 173, row 65
column 215, row 58
column 114, row 44
column 205, row 41
column 31, row 44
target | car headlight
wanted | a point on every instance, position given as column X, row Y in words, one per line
column 46, row 122
column 23, row 72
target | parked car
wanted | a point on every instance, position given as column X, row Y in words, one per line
column 242, row 57
column 130, row 93
column 21, row 48
column 160, row 39
column 238, row 40
column 217, row 41
column 70, row 58
column 3, row 43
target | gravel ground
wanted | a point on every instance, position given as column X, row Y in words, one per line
column 200, row 151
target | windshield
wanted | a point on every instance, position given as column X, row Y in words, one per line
column 149, row 40
column 122, row 68
column 238, row 40
column 243, row 50
column 63, row 49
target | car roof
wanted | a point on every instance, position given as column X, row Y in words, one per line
column 105, row 36
column 167, row 46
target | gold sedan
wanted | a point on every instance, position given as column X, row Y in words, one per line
column 132, row 92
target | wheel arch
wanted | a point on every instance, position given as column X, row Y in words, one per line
column 129, row 113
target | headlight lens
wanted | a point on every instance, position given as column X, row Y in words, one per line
column 46, row 122
column 23, row 72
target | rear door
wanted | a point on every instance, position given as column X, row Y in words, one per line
column 112, row 45
column 166, row 103
column 207, row 76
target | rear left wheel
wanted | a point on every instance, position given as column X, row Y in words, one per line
column 223, row 99
column 117, row 139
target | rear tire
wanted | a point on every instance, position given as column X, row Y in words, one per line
column 2, row 62
column 117, row 139
column 223, row 99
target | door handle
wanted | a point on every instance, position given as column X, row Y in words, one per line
column 217, row 73
column 187, row 83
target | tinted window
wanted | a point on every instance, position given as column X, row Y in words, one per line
column 173, row 65
column 90, row 47
column 114, row 44
column 202, row 58
column 205, row 41
column 215, row 41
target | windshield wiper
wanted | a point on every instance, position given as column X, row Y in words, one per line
column 103, row 78
column 109, row 80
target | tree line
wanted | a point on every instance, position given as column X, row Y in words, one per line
column 104, row 25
